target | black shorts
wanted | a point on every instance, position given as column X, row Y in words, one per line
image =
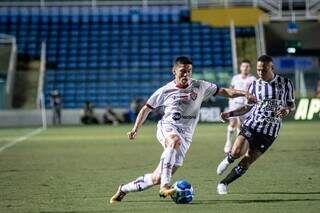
column 257, row 140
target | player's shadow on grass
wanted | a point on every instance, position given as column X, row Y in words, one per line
column 287, row 193
column 253, row 201
column 237, row 201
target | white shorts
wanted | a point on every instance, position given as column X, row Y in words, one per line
column 233, row 106
column 164, row 130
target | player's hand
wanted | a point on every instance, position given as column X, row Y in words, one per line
column 282, row 112
column 251, row 98
column 132, row 134
column 224, row 116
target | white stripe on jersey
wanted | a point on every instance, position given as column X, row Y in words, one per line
column 270, row 96
column 182, row 106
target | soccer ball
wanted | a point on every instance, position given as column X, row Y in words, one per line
column 184, row 192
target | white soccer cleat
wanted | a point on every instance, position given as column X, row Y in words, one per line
column 227, row 147
column 222, row 189
column 223, row 166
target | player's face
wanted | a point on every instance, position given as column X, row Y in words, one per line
column 245, row 69
column 265, row 70
column 182, row 73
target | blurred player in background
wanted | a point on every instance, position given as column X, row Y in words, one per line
column 56, row 104
column 275, row 99
column 181, row 100
column 240, row 81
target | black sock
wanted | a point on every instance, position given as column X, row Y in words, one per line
column 230, row 158
column 235, row 173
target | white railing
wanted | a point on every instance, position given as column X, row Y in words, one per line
column 93, row 3
column 274, row 8
column 313, row 7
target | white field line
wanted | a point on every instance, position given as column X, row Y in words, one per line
column 20, row 139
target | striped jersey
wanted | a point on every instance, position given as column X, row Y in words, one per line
column 272, row 95
column 182, row 105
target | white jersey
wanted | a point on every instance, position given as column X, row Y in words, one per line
column 182, row 105
column 240, row 83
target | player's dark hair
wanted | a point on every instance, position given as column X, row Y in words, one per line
column 265, row 58
column 246, row 61
column 182, row 60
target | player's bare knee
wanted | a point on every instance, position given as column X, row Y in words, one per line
column 173, row 141
column 236, row 151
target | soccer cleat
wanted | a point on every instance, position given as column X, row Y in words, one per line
column 223, row 166
column 167, row 191
column 222, row 189
column 227, row 147
column 118, row 196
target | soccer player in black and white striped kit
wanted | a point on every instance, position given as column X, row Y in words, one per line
column 275, row 99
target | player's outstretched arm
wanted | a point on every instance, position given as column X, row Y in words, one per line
column 143, row 114
column 233, row 93
column 234, row 113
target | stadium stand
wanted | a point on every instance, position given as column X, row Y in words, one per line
column 108, row 55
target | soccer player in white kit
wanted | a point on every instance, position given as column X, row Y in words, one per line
column 240, row 81
column 181, row 99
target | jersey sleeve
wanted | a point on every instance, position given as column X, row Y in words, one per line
column 289, row 94
column 252, row 90
column 156, row 99
column 210, row 89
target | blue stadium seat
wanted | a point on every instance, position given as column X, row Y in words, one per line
column 114, row 41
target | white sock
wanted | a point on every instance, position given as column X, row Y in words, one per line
column 230, row 132
column 140, row 184
column 168, row 158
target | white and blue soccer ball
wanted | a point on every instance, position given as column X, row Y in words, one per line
column 184, row 193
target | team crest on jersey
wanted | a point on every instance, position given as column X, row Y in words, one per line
column 193, row 95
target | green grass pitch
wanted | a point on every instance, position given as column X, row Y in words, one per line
column 77, row 169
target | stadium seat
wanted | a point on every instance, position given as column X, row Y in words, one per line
column 112, row 44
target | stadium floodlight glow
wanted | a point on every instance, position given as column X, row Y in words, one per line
column 291, row 50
